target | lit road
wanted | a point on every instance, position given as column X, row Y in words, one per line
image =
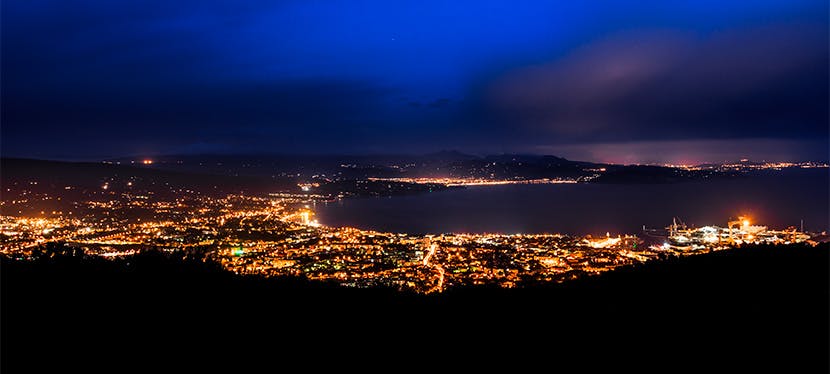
column 440, row 286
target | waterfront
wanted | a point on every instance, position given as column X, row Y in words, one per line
column 778, row 199
column 284, row 234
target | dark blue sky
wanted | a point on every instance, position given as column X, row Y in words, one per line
column 662, row 81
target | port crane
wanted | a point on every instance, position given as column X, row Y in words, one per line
column 675, row 226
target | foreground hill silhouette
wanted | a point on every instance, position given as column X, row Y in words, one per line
column 758, row 308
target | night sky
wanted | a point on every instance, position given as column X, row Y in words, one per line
column 614, row 81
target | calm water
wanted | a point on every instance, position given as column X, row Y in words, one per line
column 777, row 200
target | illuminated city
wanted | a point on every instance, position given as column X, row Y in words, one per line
column 278, row 236
column 746, row 165
column 373, row 185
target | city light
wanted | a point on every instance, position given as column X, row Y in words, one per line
column 455, row 182
column 278, row 235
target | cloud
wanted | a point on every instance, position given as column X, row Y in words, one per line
column 103, row 77
column 691, row 152
column 287, row 114
column 769, row 82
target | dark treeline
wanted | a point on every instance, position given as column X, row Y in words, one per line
column 758, row 308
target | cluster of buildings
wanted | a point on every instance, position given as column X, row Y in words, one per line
column 430, row 263
column 745, row 165
column 278, row 236
column 738, row 232
column 453, row 182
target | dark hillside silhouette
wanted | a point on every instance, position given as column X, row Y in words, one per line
column 759, row 308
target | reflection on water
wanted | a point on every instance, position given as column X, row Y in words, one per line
column 777, row 200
